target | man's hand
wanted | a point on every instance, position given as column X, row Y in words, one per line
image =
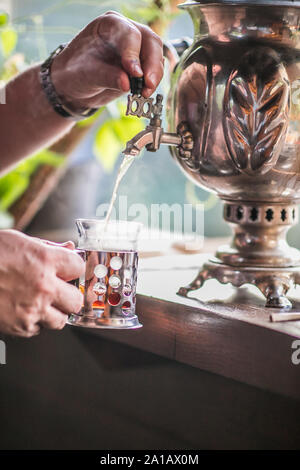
column 96, row 65
column 34, row 292
column 91, row 71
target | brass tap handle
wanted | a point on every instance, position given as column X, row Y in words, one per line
column 153, row 135
column 139, row 106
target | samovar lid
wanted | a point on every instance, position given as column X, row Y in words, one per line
column 290, row 3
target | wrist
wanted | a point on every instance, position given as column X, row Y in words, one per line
column 61, row 82
column 52, row 81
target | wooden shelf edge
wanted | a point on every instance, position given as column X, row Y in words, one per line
column 228, row 347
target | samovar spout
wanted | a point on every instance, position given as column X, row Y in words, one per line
column 153, row 136
column 139, row 141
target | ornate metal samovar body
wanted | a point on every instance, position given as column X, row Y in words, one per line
column 236, row 91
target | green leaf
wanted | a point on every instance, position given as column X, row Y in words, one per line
column 3, row 18
column 149, row 11
column 48, row 157
column 12, row 187
column 13, row 184
column 129, row 126
column 8, row 39
column 44, row 157
column 147, row 15
column 107, row 146
column 111, row 139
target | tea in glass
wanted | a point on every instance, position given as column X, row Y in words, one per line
column 109, row 284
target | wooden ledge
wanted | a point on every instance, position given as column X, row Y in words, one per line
column 222, row 330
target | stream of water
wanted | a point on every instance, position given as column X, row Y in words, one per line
column 124, row 167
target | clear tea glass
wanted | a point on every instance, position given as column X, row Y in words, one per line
column 109, row 285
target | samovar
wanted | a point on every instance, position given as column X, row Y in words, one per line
column 233, row 117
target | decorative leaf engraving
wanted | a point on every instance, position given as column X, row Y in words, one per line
column 256, row 108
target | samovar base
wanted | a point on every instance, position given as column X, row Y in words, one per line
column 258, row 254
column 274, row 283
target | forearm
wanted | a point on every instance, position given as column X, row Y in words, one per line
column 91, row 71
column 27, row 120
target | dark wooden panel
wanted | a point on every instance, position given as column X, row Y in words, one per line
column 232, row 337
column 72, row 390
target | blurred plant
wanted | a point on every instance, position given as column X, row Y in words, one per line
column 14, row 183
column 117, row 129
column 112, row 135
column 114, row 129
column 8, row 36
column 156, row 13
column 113, row 132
